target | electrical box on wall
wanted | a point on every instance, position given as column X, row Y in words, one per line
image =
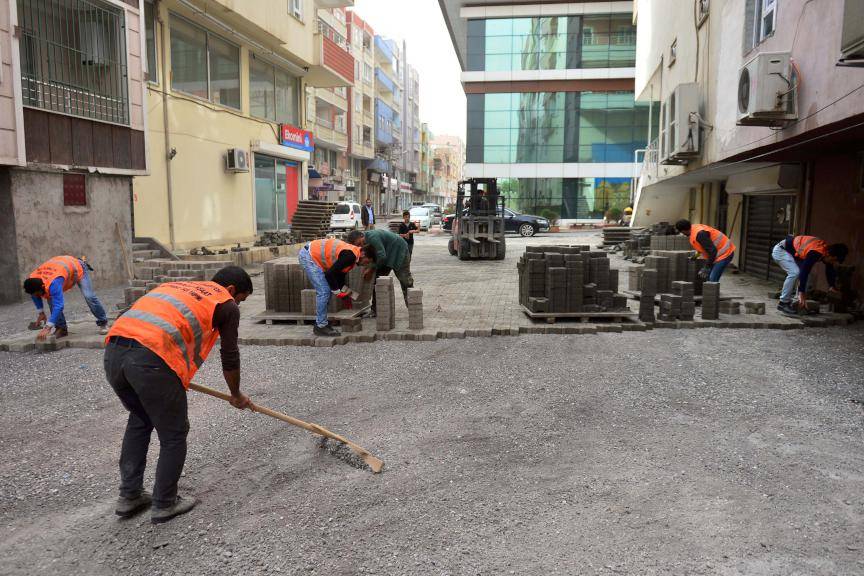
column 679, row 125
column 237, row 160
column 767, row 91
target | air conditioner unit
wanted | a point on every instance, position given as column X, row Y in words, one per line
column 852, row 42
column 679, row 125
column 767, row 91
column 237, row 160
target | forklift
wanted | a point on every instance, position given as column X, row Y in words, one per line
column 478, row 226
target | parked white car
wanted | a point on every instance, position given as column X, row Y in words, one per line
column 436, row 211
column 346, row 216
column 422, row 216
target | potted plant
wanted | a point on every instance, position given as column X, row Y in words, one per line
column 613, row 215
column 552, row 216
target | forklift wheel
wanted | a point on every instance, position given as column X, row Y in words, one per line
column 451, row 247
column 502, row 251
column 464, row 250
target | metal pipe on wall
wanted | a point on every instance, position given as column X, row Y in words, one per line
column 168, row 150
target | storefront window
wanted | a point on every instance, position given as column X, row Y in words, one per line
column 277, row 186
column 566, row 198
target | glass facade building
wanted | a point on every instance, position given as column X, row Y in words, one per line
column 552, row 43
column 557, row 127
column 568, row 198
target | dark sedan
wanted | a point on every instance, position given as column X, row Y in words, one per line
column 522, row 224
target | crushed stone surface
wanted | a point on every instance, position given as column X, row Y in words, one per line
column 668, row 452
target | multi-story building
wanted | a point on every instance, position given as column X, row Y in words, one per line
column 327, row 117
column 448, row 164
column 361, row 111
column 411, row 132
column 551, row 108
column 225, row 84
column 424, row 179
column 757, row 115
column 72, row 134
column 387, row 166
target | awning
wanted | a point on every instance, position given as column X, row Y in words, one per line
column 314, row 173
column 779, row 179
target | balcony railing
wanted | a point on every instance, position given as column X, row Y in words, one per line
column 73, row 59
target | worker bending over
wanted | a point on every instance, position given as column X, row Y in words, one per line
column 50, row 281
column 153, row 351
column 797, row 255
column 714, row 246
column 391, row 254
column 326, row 262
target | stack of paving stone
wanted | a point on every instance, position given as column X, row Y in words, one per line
column 680, row 305
column 311, row 220
column 673, row 242
column 152, row 273
column 649, row 292
column 711, row 301
column 731, row 307
column 308, row 302
column 351, row 324
column 568, row 279
column 672, row 266
column 757, row 308
column 415, row 309
column 386, row 310
column 615, row 235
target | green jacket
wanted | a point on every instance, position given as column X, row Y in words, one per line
column 390, row 249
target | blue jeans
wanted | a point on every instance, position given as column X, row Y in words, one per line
column 96, row 308
column 718, row 268
column 322, row 288
column 787, row 262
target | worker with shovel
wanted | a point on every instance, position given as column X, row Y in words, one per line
column 326, row 262
column 713, row 246
column 49, row 281
column 152, row 353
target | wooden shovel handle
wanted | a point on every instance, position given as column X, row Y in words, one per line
column 375, row 463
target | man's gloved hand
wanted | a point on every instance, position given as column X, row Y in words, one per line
column 703, row 274
column 694, row 255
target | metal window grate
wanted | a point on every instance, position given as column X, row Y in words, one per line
column 73, row 58
column 74, row 190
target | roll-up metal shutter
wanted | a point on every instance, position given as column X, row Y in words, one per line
column 769, row 220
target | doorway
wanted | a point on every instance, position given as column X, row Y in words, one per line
column 277, row 187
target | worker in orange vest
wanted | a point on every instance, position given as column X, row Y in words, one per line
column 50, row 281
column 152, row 352
column 326, row 262
column 797, row 255
column 715, row 247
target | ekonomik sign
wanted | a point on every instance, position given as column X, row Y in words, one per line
column 294, row 137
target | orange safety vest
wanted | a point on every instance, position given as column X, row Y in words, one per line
column 326, row 252
column 805, row 244
column 724, row 246
column 67, row 267
column 175, row 321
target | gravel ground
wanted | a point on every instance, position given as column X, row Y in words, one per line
column 692, row 452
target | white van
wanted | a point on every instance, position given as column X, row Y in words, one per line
column 346, row 217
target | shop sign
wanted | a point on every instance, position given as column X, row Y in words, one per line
column 294, row 137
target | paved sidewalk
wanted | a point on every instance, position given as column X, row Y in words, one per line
column 462, row 299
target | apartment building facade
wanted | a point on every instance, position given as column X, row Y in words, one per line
column 361, row 112
column 72, row 134
column 225, row 89
column 448, row 167
column 327, row 116
column 757, row 115
column 387, row 166
column 551, row 107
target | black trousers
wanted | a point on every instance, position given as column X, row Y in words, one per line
column 155, row 398
column 403, row 274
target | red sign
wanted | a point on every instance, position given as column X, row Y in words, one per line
column 294, row 137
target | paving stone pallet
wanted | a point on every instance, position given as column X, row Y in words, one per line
column 311, row 220
column 285, row 280
column 270, row 317
column 615, row 235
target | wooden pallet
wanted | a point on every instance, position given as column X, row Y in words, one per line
column 270, row 317
column 637, row 295
column 552, row 317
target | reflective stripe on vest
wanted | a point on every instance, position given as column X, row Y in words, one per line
column 721, row 242
column 805, row 244
column 190, row 317
column 163, row 325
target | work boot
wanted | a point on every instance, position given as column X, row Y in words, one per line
column 786, row 308
column 327, row 330
column 61, row 332
column 103, row 329
column 181, row 506
column 128, row 507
